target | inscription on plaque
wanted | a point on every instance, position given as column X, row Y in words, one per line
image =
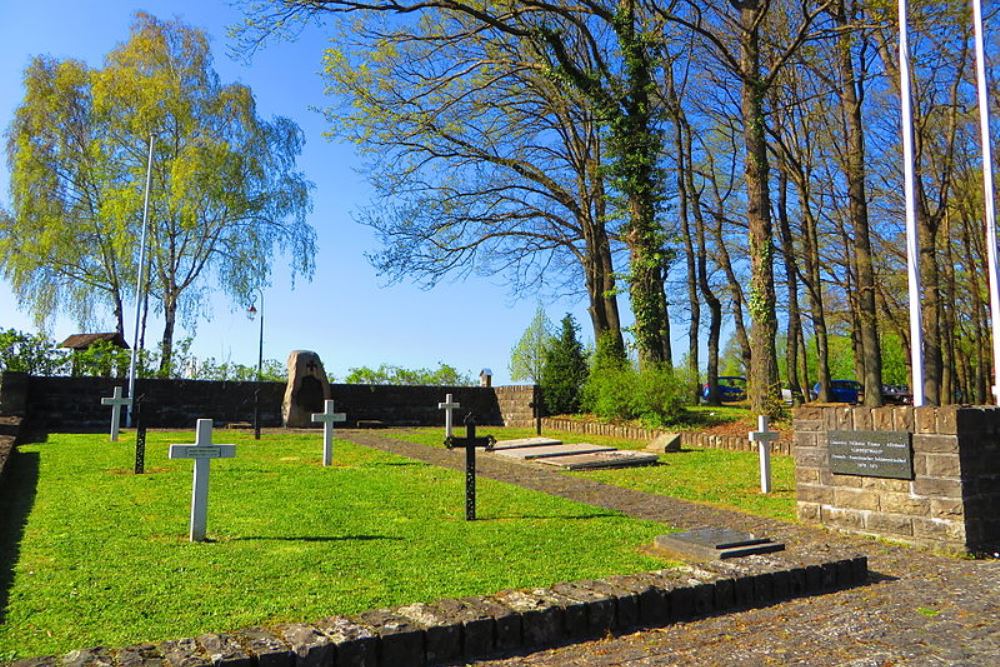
column 871, row 453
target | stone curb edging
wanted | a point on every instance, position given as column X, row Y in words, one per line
column 688, row 438
column 451, row 631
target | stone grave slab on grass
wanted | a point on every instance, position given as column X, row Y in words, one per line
column 547, row 451
column 601, row 459
column 525, row 442
column 716, row 544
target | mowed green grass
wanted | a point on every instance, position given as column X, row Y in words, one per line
column 95, row 555
column 717, row 477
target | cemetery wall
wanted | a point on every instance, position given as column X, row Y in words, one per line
column 948, row 503
column 68, row 403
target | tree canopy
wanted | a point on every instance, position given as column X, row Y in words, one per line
column 225, row 191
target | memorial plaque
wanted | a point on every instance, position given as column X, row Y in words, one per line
column 871, row 453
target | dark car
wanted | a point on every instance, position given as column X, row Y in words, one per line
column 841, row 391
column 731, row 388
column 896, row 394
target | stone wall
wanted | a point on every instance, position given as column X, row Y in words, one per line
column 65, row 403
column 734, row 443
column 951, row 502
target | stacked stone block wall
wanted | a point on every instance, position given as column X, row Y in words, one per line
column 950, row 504
column 67, row 403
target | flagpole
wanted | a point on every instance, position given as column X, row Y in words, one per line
column 991, row 232
column 138, row 285
column 912, row 234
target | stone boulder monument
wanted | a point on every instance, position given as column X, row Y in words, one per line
column 306, row 390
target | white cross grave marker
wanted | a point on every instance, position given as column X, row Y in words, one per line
column 328, row 417
column 202, row 451
column 448, row 406
column 116, row 402
column 764, row 437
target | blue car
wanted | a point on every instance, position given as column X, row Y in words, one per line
column 841, row 391
column 731, row 388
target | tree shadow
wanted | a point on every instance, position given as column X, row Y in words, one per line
column 314, row 538
column 18, row 488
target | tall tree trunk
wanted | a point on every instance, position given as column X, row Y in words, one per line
column 167, row 342
column 694, row 303
column 793, row 331
column 851, row 96
column 763, row 380
column 815, row 291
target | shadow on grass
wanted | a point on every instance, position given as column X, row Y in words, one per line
column 315, row 538
column 554, row 517
column 18, row 487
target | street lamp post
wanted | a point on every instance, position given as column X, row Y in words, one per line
column 260, row 364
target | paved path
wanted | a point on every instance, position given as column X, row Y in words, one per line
column 921, row 609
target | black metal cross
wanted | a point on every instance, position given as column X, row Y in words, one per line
column 470, row 442
column 140, row 436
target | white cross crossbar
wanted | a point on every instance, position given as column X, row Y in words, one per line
column 448, row 406
column 764, row 437
column 329, row 418
column 116, row 402
column 202, row 451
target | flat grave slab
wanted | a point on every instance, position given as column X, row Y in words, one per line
column 716, row 544
column 547, row 451
column 525, row 442
column 601, row 459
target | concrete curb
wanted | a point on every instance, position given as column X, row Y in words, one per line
column 451, row 631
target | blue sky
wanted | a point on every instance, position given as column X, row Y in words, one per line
column 346, row 313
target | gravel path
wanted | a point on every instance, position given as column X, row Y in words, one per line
column 920, row 609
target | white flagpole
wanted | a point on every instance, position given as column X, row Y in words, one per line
column 991, row 232
column 138, row 286
column 912, row 235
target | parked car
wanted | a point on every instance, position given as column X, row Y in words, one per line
column 731, row 388
column 896, row 394
column 841, row 391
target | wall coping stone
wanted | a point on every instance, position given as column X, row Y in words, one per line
column 478, row 627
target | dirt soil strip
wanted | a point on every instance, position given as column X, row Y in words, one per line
column 921, row 609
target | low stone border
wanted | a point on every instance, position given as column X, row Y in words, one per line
column 450, row 631
column 688, row 438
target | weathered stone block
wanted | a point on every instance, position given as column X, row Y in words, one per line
column 884, row 484
column 654, row 607
column 542, row 620
column 815, row 457
column 600, row 606
column 858, row 499
column 176, row 653
column 626, row 602
column 804, row 475
column 947, row 419
column 725, row 594
column 938, row 444
column 940, row 488
column 401, row 641
column 311, row 647
column 939, row 530
column 442, row 636
column 225, row 650
column 266, row 648
column 355, row 645
column 925, row 418
column 863, row 420
column 186, row 655
column 842, row 518
column 807, row 413
column 141, row 655
column 808, row 511
column 904, row 503
column 892, row 524
column 943, row 465
column 902, row 418
column 809, row 493
column 882, row 419
column 847, row 481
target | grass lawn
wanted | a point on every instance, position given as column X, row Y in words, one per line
column 718, row 477
column 91, row 554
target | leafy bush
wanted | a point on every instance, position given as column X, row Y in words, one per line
column 443, row 376
column 35, row 354
column 616, row 391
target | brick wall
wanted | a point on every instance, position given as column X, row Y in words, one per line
column 64, row 403
column 951, row 502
